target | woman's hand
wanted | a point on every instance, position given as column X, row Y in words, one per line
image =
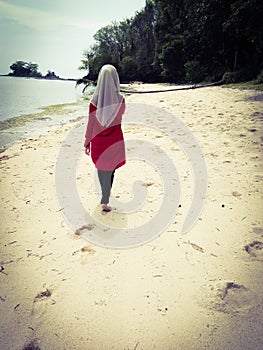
column 87, row 150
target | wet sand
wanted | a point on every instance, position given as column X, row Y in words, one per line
column 201, row 290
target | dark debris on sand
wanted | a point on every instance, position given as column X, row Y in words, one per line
column 41, row 295
column 31, row 346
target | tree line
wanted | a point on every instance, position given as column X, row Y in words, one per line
column 183, row 41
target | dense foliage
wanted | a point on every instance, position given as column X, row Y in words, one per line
column 29, row 70
column 24, row 69
column 183, row 40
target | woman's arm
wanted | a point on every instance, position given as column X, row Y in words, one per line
column 120, row 113
column 89, row 130
column 123, row 107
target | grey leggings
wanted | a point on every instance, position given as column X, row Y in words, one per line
column 106, row 180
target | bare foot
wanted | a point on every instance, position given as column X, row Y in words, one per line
column 105, row 208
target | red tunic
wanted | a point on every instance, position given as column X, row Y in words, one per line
column 107, row 144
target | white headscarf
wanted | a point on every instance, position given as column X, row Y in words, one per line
column 107, row 97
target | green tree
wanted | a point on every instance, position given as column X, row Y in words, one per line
column 19, row 68
column 143, row 42
column 245, row 31
column 181, row 40
column 169, row 55
column 129, row 45
column 204, row 39
column 24, row 69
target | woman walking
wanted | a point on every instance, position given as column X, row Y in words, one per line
column 104, row 137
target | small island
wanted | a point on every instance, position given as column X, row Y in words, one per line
column 24, row 69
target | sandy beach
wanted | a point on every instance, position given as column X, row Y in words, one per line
column 199, row 290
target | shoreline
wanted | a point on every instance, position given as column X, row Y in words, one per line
column 51, row 117
column 41, row 118
column 38, row 78
column 194, row 291
column 249, row 85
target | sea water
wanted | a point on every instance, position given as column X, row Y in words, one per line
column 22, row 96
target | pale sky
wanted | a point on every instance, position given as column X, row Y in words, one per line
column 54, row 33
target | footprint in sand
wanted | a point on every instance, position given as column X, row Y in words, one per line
column 88, row 249
column 41, row 303
column 84, row 228
column 255, row 250
column 31, row 346
column 228, row 297
column 258, row 231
